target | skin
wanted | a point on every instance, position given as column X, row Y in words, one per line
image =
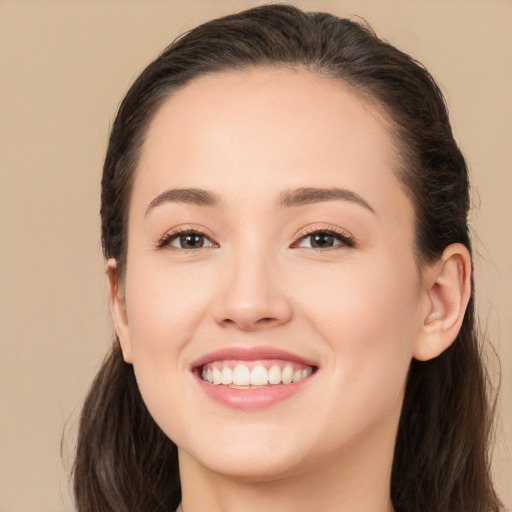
column 360, row 310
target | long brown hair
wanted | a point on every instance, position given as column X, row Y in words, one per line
column 124, row 462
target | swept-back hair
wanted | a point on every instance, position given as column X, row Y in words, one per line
column 124, row 462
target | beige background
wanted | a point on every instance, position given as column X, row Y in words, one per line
column 64, row 68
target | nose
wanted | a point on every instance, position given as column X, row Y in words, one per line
column 254, row 295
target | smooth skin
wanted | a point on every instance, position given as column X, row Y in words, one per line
column 352, row 298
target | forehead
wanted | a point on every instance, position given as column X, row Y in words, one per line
column 261, row 128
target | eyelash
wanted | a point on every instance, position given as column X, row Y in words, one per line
column 168, row 238
column 345, row 239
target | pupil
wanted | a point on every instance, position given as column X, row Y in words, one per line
column 191, row 241
column 322, row 240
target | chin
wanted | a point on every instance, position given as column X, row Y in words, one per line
column 247, row 457
column 251, row 469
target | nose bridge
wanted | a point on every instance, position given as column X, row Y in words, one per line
column 253, row 295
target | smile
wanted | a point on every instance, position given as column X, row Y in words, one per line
column 255, row 374
column 252, row 378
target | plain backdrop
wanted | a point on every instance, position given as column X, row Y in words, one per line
column 64, row 69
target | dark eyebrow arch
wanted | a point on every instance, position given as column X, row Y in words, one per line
column 195, row 196
column 309, row 195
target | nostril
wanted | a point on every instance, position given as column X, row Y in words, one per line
column 250, row 324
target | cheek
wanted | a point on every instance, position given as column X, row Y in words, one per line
column 369, row 316
column 164, row 309
column 368, row 319
column 381, row 296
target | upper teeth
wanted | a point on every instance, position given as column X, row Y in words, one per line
column 259, row 375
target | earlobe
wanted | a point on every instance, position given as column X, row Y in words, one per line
column 118, row 310
column 448, row 284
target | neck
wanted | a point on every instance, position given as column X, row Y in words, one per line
column 360, row 483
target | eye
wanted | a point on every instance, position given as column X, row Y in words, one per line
column 325, row 239
column 186, row 239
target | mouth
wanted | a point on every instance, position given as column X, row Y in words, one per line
column 252, row 378
column 238, row 374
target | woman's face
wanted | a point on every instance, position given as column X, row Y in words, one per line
column 269, row 238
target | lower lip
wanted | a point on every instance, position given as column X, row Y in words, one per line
column 258, row 398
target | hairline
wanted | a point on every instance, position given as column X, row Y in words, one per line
column 401, row 159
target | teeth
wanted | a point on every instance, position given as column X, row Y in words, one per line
column 274, row 375
column 242, row 376
column 217, row 376
column 287, row 375
column 296, row 376
column 227, row 375
column 259, row 376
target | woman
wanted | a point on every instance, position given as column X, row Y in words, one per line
column 284, row 215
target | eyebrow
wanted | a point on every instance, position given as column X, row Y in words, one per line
column 309, row 195
column 287, row 199
column 195, row 196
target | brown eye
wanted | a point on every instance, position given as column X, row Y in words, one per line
column 190, row 241
column 187, row 240
column 321, row 240
column 325, row 240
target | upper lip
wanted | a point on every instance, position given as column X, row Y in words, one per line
column 250, row 354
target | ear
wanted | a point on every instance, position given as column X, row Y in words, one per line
column 118, row 310
column 448, row 289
